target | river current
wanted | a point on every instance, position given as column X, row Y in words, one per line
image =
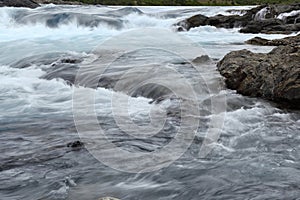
column 49, row 73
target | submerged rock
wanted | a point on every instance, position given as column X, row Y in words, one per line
column 284, row 19
column 19, row 3
column 75, row 145
column 274, row 76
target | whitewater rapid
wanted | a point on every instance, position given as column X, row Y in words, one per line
column 41, row 50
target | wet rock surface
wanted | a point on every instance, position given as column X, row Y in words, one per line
column 274, row 76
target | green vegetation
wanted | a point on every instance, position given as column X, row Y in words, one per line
column 185, row 2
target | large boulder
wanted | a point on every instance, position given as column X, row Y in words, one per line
column 19, row 3
column 194, row 21
column 274, row 76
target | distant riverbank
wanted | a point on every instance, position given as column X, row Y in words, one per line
column 170, row 2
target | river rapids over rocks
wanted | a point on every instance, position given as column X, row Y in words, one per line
column 100, row 101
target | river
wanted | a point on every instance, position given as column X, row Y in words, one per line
column 166, row 127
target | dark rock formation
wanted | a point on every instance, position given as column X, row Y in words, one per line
column 19, row 3
column 262, row 19
column 219, row 21
column 274, row 76
column 270, row 26
column 293, row 40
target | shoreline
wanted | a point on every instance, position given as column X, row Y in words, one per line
column 158, row 3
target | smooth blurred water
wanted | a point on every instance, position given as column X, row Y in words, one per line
column 256, row 157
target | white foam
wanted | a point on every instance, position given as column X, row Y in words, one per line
column 10, row 30
column 22, row 91
column 61, row 193
column 261, row 15
column 283, row 16
column 139, row 21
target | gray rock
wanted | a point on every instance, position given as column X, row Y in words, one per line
column 274, row 76
column 202, row 59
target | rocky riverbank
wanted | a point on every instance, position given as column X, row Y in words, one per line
column 19, row 3
column 282, row 19
column 274, row 76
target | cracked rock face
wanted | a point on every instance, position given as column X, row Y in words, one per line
column 274, row 76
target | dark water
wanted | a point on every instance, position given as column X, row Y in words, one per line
column 43, row 50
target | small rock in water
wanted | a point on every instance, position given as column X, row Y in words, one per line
column 202, row 59
column 76, row 144
column 180, row 29
column 71, row 60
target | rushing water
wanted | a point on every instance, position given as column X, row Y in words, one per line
column 256, row 156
